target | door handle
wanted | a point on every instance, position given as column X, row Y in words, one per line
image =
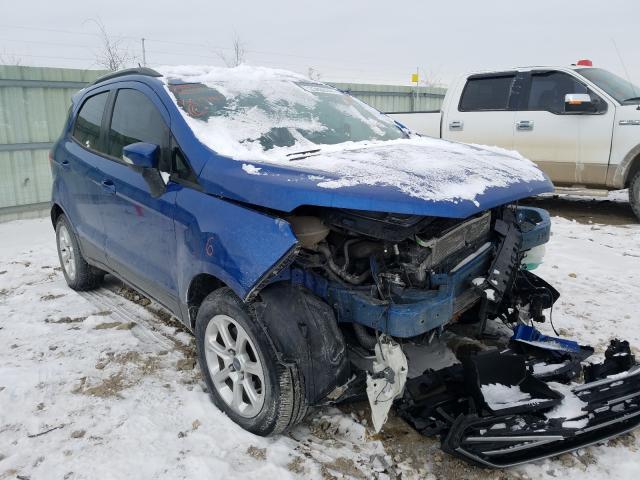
column 108, row 186
column 65, row 163
column 456, row 125
column 524, row 125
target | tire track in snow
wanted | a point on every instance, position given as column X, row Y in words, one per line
column 144, row 330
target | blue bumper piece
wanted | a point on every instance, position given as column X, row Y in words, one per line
column 536, row 226
column 532, row 336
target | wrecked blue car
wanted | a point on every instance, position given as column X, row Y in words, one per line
column 313, row 245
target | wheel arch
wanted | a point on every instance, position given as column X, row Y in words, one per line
column 200, row 286
column 619, row 175
column 56, row 211
column 304, row 331
column 634, row 168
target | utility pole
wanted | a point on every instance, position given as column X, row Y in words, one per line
column 144, row 54
column 415, row 105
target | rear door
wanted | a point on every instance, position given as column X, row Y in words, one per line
column 138, row 218
column 572, row 148
column 80, row 163
column 484, row 113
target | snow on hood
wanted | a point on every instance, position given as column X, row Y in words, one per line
column 420, row 167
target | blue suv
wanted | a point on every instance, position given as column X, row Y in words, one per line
column 299, row 233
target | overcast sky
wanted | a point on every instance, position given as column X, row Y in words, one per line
column 351, row 40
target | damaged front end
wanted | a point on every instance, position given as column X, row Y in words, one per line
column 399, row 284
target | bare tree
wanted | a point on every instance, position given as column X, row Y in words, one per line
column 114, row 54
column 430, row 78
column 314, row 74
column 237, row 55
column 10, row 59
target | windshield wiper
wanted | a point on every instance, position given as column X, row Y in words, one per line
column 303, row 154
column 632, row 99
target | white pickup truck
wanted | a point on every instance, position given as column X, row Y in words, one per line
column 580, row 124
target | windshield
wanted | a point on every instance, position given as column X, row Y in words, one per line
column 271, row 113
column 622, row 90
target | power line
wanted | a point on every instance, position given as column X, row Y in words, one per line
column 190, row 44
column 48, row 56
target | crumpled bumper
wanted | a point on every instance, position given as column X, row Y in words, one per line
column 613, row 408
column 555, row 415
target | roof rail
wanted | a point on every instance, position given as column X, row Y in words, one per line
column 149, row 72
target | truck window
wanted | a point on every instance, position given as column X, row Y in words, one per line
column 486, row 93
column 548, row 90
column 87, row 127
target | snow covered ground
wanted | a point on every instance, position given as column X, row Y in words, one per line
column 102, row 385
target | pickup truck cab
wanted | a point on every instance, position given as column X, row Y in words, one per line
column 579, row 124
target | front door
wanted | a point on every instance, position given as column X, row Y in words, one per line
column 572, row 148
column 138, row 219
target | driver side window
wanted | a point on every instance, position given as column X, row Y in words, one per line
column 135, row 119
column 548, row 91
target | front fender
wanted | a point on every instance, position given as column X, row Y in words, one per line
column 618, row 175
column 237, row 245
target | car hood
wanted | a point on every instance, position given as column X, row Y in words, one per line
column 420, row 176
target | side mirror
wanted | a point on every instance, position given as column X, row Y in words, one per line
column 578, row 102
column 141, row 154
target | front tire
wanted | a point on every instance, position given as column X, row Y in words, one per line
column 634, row 194
column 241, row 368
column 77, row 272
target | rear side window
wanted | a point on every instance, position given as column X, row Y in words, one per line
column 135, row 119
column 87, row 126
column 486, row 93
column 549, row 89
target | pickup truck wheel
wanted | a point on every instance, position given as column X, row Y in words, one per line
column 77, row 272
column 634, row 194
column 241, row 368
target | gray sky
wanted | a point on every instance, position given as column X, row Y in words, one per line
column 351, row 40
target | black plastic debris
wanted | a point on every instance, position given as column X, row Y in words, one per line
column 507, row 374
column 450, row 403
column 618, row 358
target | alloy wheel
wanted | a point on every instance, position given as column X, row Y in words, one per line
column 234, row 365
column 67, row 252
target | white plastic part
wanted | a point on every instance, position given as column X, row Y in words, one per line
column 382, row 390
column 533, row 258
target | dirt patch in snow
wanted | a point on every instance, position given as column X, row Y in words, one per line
column 586, row 210
column 257, row 453
column 131, row 367
column 116, row 325
column 66, row 320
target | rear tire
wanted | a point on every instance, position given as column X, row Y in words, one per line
column 77, row 272
column 234, row 351
column 634, row 194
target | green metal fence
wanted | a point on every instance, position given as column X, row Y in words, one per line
column 33, row 107
column 396, row 98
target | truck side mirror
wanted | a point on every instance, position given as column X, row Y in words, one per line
column 578, row 103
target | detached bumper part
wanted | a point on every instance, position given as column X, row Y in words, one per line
column 613, row 408
column 523, row 422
